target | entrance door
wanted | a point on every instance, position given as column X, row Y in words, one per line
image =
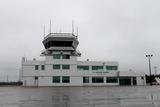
column 35, row 81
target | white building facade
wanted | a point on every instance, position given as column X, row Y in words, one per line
column 61, row 67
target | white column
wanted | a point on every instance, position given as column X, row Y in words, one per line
column 104, row 80
column 118, row 80
column 131, row 81
column 60, row 79
column 90, row 80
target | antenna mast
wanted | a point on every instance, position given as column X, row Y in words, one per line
column 44, row 31
column 77, row 31
column 50, row 26
column 72, row 27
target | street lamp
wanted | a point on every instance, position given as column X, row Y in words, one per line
column 149, row 59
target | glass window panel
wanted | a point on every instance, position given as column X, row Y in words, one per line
column 83, row 67
column 85, row 79
column 56, row 56
column 124, row 80
column 111, row 67
column 56, row 66
column 66, row 56
column 111, row 80
column 56, row 79
column 97, row 67
column 36, row 78
column 65, row 79
column 134, row 81
column 42, row 67
column 36, row 67
column 97, row 80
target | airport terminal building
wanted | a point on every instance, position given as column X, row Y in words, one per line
column 61, row 67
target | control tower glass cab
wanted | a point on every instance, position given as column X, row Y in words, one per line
column 60, row 42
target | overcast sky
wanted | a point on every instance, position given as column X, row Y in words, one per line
column 109, row 30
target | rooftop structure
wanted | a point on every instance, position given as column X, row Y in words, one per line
column 55, row 42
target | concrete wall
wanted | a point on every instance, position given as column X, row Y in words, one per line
column 29, row 81
column 44, row 81
column 76, row 81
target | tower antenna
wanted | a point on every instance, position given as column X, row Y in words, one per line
column 77, row 31
column 44, row 31
column 50, row 30
column 72, row 27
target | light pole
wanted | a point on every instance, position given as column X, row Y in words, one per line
column 149, row 59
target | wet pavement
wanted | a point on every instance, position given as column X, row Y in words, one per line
column 136, row 96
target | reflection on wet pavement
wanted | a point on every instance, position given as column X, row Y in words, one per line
column 138, row 96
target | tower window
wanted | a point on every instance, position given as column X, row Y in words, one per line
column 56, row 66
column 66, row 56
column 36, row 67
column 61, row 43
column 56, row 56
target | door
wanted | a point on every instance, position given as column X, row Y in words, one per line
column 35, row 81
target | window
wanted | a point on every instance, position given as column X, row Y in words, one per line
column 112, row 80
column 56, row 56
column 36, row 67
column 57, row 66
column 97, row 80
column 83, row 67
column 61, row 43
column 65, row 67
column 42, row 67
column 65, row 79
column 124, row 80
column 85, row 79
column 36, row 78
column 111, row 67
column 134, row 81
column 97, row 67
column 66, row 57
column 56, row 79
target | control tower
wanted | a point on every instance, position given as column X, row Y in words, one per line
column 61, row 67
column 60, row 42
